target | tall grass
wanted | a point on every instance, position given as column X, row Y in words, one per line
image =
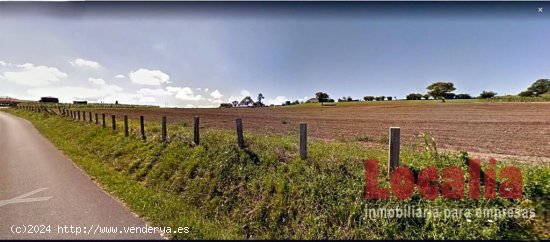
column 267, row 192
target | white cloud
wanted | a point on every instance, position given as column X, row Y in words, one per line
column 245, row 93
column 84, row 63
column 3, row 63
column 97, row 81
column 147, row 100
column 149, row 77
column 154, row 92
column 216, row 94
column 199, row 106
column 34, row 76
column 69, row 93
column 119, row 76
column 206, row 89
column 184, row 93
column 276, row 101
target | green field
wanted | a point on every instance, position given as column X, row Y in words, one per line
column 267, row 192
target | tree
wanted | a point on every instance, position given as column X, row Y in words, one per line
column 260, row 97
column 368, row 98
column 322, row 97
column 541, row 86
column 526, row 94
column 389, row 98
column 487, row 94
column 235, row 103
column 463, row 96
column 414, row 96
column 426, row 96
column 440, row 89
column 449, row 95
column 226, row 105
column 349, row 99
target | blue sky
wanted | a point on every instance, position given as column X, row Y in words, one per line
column 198, row 55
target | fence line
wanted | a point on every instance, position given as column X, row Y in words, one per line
column 393, row 143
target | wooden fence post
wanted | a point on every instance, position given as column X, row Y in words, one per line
column 164, row 129
column 126, row 133
column 303, row 141
column 142, row 127
column 96, row 118
column 113, row 118
column 90, row 116
column 78, row 113
column 196, row 132
column 104, row 124
column 393, row 161
column 240, row 138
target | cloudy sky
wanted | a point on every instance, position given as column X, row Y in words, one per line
column 202, row 54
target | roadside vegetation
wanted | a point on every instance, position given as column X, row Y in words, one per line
column 266, row 191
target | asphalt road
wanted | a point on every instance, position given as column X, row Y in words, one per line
column 40, row 187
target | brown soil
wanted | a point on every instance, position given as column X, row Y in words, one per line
column 516, row 129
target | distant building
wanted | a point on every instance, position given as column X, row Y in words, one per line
column 80, row 102
column 8, row 101
column 49, row 100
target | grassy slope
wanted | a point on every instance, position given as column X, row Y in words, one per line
column 266, row 191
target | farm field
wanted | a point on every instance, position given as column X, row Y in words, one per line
column 518, row 130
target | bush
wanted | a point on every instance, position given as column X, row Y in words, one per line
column 487, row 94
column 381, row 98
column 463, row 96
column 368, row 98
column 389, row 98
column 226, row 105
column 526, row 94
column 414, row 96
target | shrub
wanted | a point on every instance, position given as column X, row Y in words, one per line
column 226, row 105
column 389, row 98
column 368, row 98
column 526, row 94
column 487, row 94
column 463, row 96
column 414, row 96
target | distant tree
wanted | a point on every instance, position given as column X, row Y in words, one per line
column 226, row 105
column 541, row 86
column 426, row 96
column 368, row 98
column 380, row 98
column 414, row 96
column 463, row 96
column 439, row 89
column 235, row 103
column 296, row 102
column 487, row 94
column 260, row 97
column 349, row 99
column 389, row 98
column 449, row 95
column 330, row 100
column 322, row 97
column 526, row 94
column 116, row 102
column 287, row 103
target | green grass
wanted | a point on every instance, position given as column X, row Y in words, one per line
column 267, row 192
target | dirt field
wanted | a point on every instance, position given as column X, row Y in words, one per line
column 500, row 129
